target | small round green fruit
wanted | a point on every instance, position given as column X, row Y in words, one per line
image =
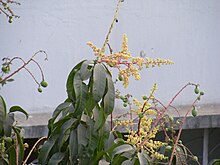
column 178, row 149
column 144, row 97
column 180, row 141
column 194, row 111
column 196, row 90
column 4, row 69
column 125, row 104
column 168, row 148
column 202, row 93
column 195, row 158
column 39, row 89
column 44, row 84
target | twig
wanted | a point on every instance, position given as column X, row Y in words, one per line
column 33, row 149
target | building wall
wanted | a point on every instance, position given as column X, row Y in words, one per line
column 185, row 31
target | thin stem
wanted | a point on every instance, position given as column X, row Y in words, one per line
column 42, row 74
column 179, row 133
column 162, row 113
column 32, row 75
column 23, row 66
column 111, row 27
column 33, row 149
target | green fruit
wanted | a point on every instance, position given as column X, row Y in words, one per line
column 195, row 158
column 168, row 148
column 39, row 90
column 144, row 97
column 43, row 84
column 125, row 104
column 202, row 93
column 196, row 90
column 120, row 78
column 178, row 149
column 4, row 69
column 194, row 111
column 180, row 142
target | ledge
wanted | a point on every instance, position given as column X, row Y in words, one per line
column 209, row 117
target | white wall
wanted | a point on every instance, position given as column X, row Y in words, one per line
column 186, row 31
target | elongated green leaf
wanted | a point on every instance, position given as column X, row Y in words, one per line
column 99, row 82
column 18, row 109
column 64, row 132
column 56, row 158
column 85, row 72
column 121, row 149
column 142, row 158
column 46, row 148
column 82, row 135
column 118, row 159
column 2, row 113
column 20, row 143
column 56, row 113
column 81, row 92
column 109, row 143
column 69, row 83
column 11, row 152
column 109, row 99
column 99, row 118
column 9, row 120
column 73, row 146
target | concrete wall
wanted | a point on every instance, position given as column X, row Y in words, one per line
column 186, row 31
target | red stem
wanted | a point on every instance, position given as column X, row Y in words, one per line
column 179, row 133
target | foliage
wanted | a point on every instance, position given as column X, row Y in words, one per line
column 11, row 136
column 80, row 132
column 77, row 130
column 11, row 140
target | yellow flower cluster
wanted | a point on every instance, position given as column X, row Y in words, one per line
column 158, row 156
column 151, row 146
column 125, row 63
column 122, row 122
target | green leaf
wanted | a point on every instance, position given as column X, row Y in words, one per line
column 2, row 113
column 110, row 141
column 64, row 132
column 118, row 160
column 11, row 152
column 46, row 148
column 85, row 72
column 18, row 109
column 8, row 123
column 69, row 83
column 20, row 143
column 10, row 80
column 121, row 149
column 73, row 146
column 109, row 98
column 99, row 118
column 142, row 158
column 56, row 158
column 81, row 93
column 99, row 82
column 82, row 135
column 58, row 110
